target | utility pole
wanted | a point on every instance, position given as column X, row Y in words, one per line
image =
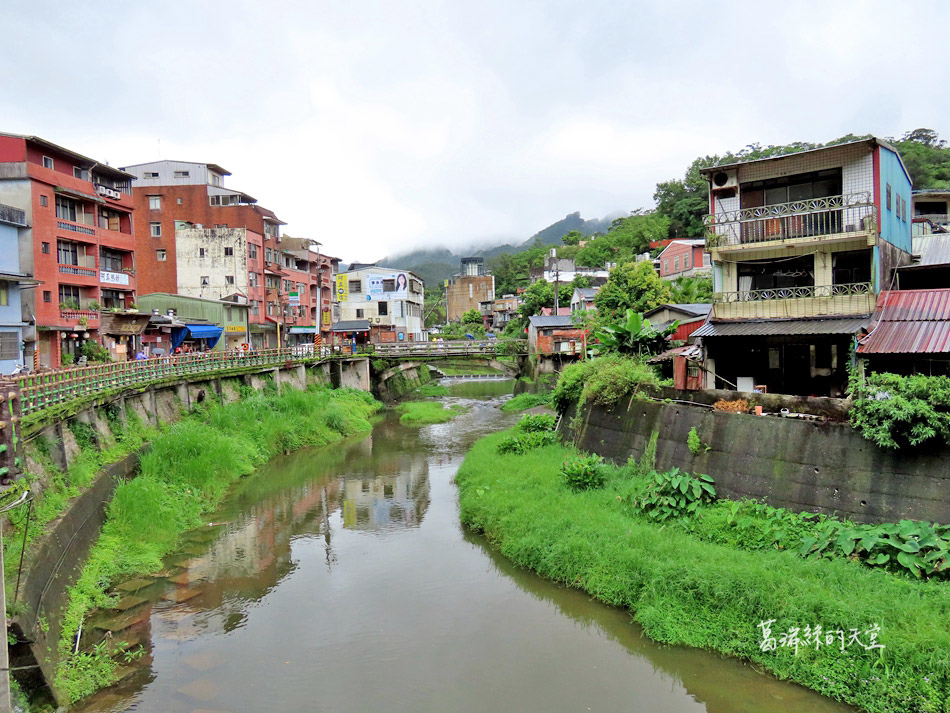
column 557, row 283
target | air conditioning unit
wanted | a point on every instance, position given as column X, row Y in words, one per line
column 101, row 189
column 724, row 180
column 115, row 195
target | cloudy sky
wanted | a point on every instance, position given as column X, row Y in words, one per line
column 378, row 127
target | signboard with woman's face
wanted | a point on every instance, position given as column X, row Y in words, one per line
column 388, row 287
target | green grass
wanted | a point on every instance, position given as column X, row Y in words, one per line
column 184, row 475
column 431, row 390
column 522, row 402
column 687, row 591
column 422, row 413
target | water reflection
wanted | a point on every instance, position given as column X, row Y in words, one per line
column 340, row 580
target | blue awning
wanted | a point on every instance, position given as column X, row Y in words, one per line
column 198, row 331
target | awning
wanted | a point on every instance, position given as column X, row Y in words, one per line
column 119, row 324
column 303, row 330
column 352, row 325
column 77, row 194
column 779, row 327
column 197, row 331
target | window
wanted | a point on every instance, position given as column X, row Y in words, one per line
column 47, row 162
column 110, row 260
column 252, row 251
column 686, row 261
column 155, row 230
column 112, row 299
column 255, row 308
column 205, row 281
column 47, row 296
column 252, row 279
column 45, row 248
column 389, row 285
column 67, row 209
column 676, row 263
column 201, row 252
column 182, row 174
column 359, row 314
column 178, row 201
column 151, row 174
column 288, row 285
column 4, row 295
column 67, row 253
column 272, row 282
column 160, row 255
column 44, row 201
column 220, row 226
column 80, row 173
column 888, row 196
column 9, row 345
column 666, row 266
column 69, row 294
column 154, row 202
column 229, row 279
column 356, row 285
column 229, row 199
column 110, row 220
column 229, row 252
column 383, row 309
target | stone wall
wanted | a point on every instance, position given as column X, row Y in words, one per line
column 803, row 465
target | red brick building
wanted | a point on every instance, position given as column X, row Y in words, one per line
column 78, row 244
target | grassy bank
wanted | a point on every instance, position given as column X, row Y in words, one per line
column 423, row 413
column 687, row 591
column 185, row 475
column 522, row 402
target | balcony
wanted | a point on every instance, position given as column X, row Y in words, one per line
column 832, row 218
column 795, row 302
column 74, row 315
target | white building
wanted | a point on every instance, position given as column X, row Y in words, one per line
column 389, row 300
column 212, row 262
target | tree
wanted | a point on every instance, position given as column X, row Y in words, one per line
column 626, row 238
column 633, row 285
column 512, row 270
column 632, row 334
column 687, row 290
column 926, row 157
column 573, row 237
column 472, row 316
column 541, row 294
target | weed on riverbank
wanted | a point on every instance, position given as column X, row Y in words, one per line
column 184, row 475
column 423, row 413
column 708, row 595
column 522, row 402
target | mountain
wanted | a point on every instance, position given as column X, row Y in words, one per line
column 435, row 265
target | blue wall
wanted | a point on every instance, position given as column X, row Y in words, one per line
column 896, row 231
column 11, row 319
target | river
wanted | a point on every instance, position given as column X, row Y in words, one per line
column 340, row 580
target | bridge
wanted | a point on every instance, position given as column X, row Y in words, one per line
column 489, row 348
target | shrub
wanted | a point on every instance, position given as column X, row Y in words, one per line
column 533, row 422
column 584, row 472
column 604, row 380
column 521, row 443
column 694, row 443
column 526, row 401
column 897, row 411
column 674, row 494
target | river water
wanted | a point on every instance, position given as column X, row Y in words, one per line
column 340, row 580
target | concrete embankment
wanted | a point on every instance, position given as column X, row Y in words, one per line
column 817, row 466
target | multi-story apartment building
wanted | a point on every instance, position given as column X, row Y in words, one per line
column 174, row 195
column 468, row 289
column 385, row 303
column 307, row 290
column 684, row 258
column 78, row 242
column 800, row 245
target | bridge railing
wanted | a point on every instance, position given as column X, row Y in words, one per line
column 49, row 388
column 465, row 347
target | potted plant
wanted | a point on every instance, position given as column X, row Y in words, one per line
column 94, row 305
column 132, row 307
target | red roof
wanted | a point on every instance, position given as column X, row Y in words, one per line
column 561, row 311
column 909, row 322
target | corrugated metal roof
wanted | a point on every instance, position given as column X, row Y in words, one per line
column 910, row 322
column 352, row 325
column 933, row 249
column 551, row 321
column 774, row 327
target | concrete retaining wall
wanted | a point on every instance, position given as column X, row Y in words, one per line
column 802, row 465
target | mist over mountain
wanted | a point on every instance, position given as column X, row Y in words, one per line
column 436, row 264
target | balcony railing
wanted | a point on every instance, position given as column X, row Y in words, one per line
column 78, row 270
column 75, row 227
column 71, row 314
column 811, row 218
column 795, row 302
column 936, row 218
column 792, row 293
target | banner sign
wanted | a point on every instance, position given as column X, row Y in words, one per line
column 343, row 288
